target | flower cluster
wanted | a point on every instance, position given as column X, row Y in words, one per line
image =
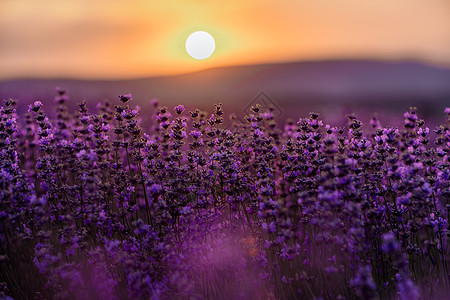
column 94, row 205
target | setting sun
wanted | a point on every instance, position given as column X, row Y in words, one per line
column 200, row 45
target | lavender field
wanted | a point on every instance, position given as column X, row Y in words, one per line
column 103, row 204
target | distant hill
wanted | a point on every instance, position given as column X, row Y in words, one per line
column 295, row 87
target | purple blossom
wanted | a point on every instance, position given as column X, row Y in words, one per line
column 36, row 106
column 106, row 205
column 179, row 109
column 125, row 98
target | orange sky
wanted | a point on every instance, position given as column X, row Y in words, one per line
column 133, row 38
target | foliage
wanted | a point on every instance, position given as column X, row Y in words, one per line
column 91, row 207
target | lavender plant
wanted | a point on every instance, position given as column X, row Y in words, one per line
column 94, row 205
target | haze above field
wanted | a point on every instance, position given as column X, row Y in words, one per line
column 140, row 38
column 297, row 88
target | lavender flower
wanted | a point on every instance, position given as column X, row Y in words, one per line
column 95, row 205
column 179, row 109
column 35, row 106
column 125, row 98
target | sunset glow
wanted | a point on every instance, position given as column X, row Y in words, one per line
column 120, row 39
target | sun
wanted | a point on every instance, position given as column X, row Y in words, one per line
column 200, row 45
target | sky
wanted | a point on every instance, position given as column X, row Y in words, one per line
column 140, row 38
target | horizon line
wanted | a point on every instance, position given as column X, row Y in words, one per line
column 420, row 61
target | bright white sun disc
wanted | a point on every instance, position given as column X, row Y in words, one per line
column 200, row 45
